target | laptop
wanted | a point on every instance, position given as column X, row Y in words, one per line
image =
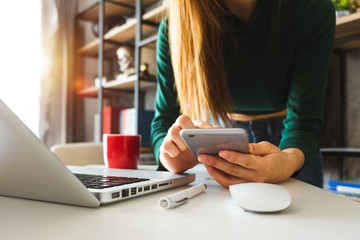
column 28, row 169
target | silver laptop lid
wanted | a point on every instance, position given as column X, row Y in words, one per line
column 29, row 170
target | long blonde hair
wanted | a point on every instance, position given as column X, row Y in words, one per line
column 196, row 31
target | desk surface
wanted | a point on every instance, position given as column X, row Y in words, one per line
column 313, row 214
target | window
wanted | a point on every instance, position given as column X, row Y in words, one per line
column 21, row 59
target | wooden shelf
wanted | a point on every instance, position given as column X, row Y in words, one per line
column 129, row 83
column 125, row 32
column 346, row 28
column 88, row 92
column 113, row 10
column 92, row 49
column 113, row 85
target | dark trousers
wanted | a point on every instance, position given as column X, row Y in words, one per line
column 270, row 130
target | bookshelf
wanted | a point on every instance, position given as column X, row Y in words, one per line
column 137, row 29
column 347, row 37
column 126, row 84
column 125, row 33
column 347, row 34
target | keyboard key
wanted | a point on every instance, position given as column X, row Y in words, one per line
column 101, row 182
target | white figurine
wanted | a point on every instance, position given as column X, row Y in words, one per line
column 126, row 61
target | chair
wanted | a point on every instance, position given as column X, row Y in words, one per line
column 79, row 154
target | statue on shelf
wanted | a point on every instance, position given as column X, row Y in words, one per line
column 125, row 56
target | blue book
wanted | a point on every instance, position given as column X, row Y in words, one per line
column 333, row 184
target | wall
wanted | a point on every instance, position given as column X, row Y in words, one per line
column 342, row 115
column 332, row 133
column 352, row 99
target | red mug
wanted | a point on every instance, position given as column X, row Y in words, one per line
column 121, row 151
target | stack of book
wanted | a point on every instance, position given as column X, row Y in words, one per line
column 111, row 119
column 128, row 120
column 347, row 189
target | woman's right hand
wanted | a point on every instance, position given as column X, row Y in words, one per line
column 175, row 156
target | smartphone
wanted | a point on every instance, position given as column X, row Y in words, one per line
column 212, row 140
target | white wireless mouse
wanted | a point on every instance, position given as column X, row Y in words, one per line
column 260, row 197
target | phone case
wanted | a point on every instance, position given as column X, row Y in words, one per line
column 211, row 141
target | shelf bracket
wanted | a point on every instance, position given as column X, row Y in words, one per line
column 121, row 4
column 148, row 40
column 347, row 39
column 138, row 38
column 101, row 67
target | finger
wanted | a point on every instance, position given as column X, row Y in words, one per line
column 227, row 167
column 224, row 179
column 179, row 164
column 245, row 160
column 174, row 133
column 163, row 159
column 169, row 147
column 184, row 122
column 262, row 148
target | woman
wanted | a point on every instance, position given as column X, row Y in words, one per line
column 259, row 65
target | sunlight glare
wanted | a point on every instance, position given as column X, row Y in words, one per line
column 21, row 59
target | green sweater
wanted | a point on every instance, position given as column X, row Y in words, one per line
column 281, row 61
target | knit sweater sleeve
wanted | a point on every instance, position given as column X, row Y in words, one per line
column 306, row 98
column 166, row 107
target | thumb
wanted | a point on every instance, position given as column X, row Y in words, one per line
column 262, row 148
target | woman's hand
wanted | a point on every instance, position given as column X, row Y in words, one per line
column 174, row 154
column 265, row 163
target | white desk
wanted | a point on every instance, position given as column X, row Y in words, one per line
column 313, row 214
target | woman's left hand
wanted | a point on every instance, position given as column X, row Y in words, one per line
column 264, row 163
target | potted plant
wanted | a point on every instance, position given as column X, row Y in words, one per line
column 341, row 7
column 345, row 7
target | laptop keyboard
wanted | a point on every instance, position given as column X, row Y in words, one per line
column 101, row 182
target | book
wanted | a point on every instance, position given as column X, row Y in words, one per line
column 127, row 123
column 111, row 119
column 334, row 184
column 349, row 189
column 347, row 195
